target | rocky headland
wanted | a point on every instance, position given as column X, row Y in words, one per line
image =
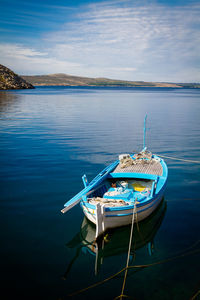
column 10, row 80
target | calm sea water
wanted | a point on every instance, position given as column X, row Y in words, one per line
column 49, row 138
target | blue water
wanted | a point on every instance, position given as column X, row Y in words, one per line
column 49, row 138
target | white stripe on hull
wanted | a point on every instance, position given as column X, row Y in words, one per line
column 142, row 212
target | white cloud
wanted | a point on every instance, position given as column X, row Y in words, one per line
column 142, row 38
column 24, row 60
column 130, row 41
column 10, row 50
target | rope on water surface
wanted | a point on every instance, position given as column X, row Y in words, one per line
column 194, row 297
column 181, row 159
column 137, row 267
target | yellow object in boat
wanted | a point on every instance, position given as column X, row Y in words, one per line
column 138, row 187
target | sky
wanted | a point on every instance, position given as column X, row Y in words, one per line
column 121, row 39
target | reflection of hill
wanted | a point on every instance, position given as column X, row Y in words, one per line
column 116, row 241
column 6, row 99
column 68, row 80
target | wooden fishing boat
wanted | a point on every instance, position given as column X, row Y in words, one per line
column 132, row 186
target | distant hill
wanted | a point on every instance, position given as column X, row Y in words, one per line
column 10, row 80
column 69, row 80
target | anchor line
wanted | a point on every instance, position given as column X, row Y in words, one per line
column 129, row 250
column 136, row 267
column 181, row 159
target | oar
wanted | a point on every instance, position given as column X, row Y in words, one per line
column 90, row 188
column 77, row 198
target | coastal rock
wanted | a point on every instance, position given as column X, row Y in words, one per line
column 10, row 80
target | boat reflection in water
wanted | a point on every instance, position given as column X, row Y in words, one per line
column 116, row 241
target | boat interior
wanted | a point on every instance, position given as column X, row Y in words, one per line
column 122, row 191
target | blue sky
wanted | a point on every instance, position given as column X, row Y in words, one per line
column 122, row 39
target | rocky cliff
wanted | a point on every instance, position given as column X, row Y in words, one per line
column 10, row 80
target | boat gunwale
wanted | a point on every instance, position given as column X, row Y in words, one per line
column 138, row 212
column 129, row 207
column 107, row 173
column 132, row 175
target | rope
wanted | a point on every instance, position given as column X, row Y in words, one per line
column 175, row 158
column 125, row 296
column 194, row 297
column 165, row 260
column 128, row 256
column 136, row 267
column 96, row 284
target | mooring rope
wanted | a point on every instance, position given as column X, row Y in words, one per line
column 184, row 254
column 128, row 256
column 181, row 159
column 195, row 295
